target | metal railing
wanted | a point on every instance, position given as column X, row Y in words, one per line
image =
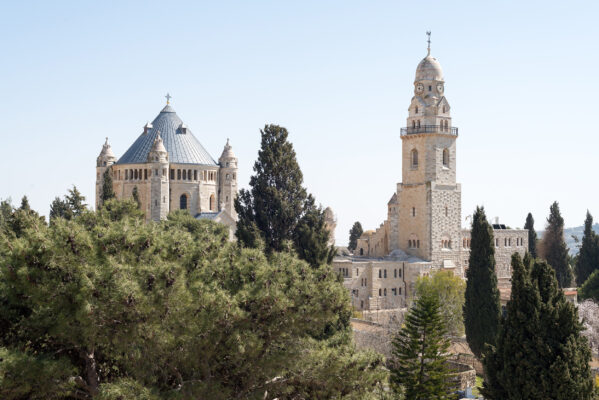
column 429, row 129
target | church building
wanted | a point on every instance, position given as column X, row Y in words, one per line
column 422, row 232
column 170, row 170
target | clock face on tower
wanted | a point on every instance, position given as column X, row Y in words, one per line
column 440, row 87
column 419, row 88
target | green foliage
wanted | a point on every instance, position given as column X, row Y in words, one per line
column 590, row 288
column 420, row 369
column 72, row 206
column 120, row 308
column 449, row 289
column 540, row 352
column 135, row 196
column 554, row 247
column 532, row 235
column 107, row 189
column 354, row 234
column 6, row 210
column 276, row 213
column 588, row 257
column 23, row 375
column 481, row 307
column 25, row 204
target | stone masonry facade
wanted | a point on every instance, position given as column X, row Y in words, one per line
column 422, row 233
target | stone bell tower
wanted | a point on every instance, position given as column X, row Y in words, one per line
column 429, row 197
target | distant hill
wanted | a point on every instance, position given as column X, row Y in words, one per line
column 569, row 233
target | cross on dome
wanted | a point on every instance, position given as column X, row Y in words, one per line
column 428, row 33
column 168, row 98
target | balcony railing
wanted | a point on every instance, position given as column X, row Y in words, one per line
column 429, row 129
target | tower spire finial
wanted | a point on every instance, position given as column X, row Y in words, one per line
column 428, row 49
column 168, row 99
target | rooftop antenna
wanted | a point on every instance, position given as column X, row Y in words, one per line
column 428, row 33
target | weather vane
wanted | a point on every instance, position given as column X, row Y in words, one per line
column 428, row 33
column 168, row 99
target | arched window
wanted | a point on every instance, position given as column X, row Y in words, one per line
column 361, row 251
column 418, row 124
column 212, row 202
column 188, row 174
column 410, row 243
column 385, row 292
column 414, row 158
column 184, row 174
column 413, row 124
column 446, row 126
column 444, row 110
column 183, row 202
column 416, row 110
column 445, row 157
column 413, row 211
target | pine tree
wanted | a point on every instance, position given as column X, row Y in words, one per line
column 59, row 209
column 420, row 369
column 135, row 195
column 554, row 247
column 107, row 189
column 354, row 234
column 25, row 204
column 588, row 256
column 482, row 307
column 590, row 288
column 76, row 201
column 277, row 212
column 532, row 235
column 540, row 352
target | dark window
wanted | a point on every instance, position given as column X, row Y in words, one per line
column 145, row 174
column 380, row 273
column 184, row 175
column 188, row 174
column 385, row 273
column 395, row 273
column 172, row 174
column 178, row 174
column 195, row 175
column 183, row 202
column 430, row 88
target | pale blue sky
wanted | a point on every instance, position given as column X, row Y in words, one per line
column 520, row 77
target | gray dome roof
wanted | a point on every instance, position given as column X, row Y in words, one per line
column 181, row 145
column 429, row 69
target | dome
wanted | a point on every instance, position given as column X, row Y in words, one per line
column 429, row 69
column 227, row 152
column 158, row 145
column 181, row 145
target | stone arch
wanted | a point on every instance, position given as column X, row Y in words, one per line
column 183, row 202
column 414, row 158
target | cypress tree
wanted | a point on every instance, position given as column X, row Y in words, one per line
column 135, row 195
column 420, row 367
column 354, row 234
column 76, row 201
column 59, row 209
column 107, row 189
column 277, row 212
column 588, row 257
column 554, row 247
column 540, row 352
column 25, row 204
column 532, row 235
column 481, row 308
column 590, row 287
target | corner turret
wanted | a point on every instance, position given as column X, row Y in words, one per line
column 104, row 161
column 228, row 180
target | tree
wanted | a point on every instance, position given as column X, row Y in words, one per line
column 481, row 306
column 449, row 289
column 354, row 234
column 72, row 206
column 311, row 236
column 420, row 369
column 590, row 287
column 532, row 235
column 25, row 204
column 183, row 314
column 135, row 196
column 540, row 351
column 76, row 201
column 554, row 247
column 277, row 212
column 107, row 189
column 588, row 256
column 6, row 210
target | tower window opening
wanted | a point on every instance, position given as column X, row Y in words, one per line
column 418, row 124
column 145, row 174
column 135, row 174
column 444, row 110
column 416, row 110
column 445, row 157
column 384, row 273
column 413, row 124
column 184, row 174
column 446, row 211
column 172, row 174
column 430, row 88
column 446, row 126
column 195, row 174
column 178, row 174
column 414, row 158
column 212, row 202
column 413, row 211
column 385, row 292
column 188, row 174
column 183, row 202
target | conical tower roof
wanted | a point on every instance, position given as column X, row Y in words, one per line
column 181, row 145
